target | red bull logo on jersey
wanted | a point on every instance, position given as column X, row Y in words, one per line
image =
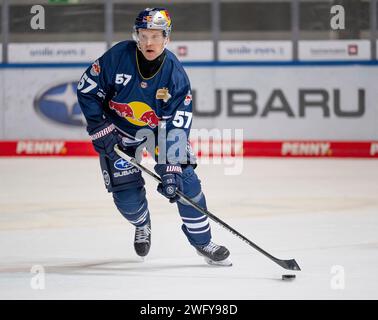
column 122, row 109
column 136, row 112
column 150, row 118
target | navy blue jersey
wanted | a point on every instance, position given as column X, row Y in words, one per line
column 113, row 88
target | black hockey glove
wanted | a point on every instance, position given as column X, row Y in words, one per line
column 170, row 175
column 104, row 137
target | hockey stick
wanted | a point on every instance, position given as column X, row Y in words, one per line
column 287, row 264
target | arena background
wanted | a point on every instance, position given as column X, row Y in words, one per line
column 294, row 85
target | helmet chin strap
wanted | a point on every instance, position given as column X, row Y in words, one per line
column 136, row 39
column 166, row 40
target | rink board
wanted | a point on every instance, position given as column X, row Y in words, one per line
column 280, row 110
column 326, row 149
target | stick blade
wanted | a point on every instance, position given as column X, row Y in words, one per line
column 289, row 264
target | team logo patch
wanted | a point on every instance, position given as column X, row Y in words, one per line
column 163, row 94
column 106, row 177
column 96, row 69
column 188, row 98
column 122, row 164
column 136, row 112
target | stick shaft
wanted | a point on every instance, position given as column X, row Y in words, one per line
column 283, row 263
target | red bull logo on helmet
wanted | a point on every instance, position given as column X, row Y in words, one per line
column 136, row 112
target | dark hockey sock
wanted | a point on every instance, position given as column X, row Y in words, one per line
column 196, row 225
column 132, row 204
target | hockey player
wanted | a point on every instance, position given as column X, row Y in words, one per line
column 140, row 86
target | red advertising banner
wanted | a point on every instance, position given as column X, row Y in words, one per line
column 323, row 149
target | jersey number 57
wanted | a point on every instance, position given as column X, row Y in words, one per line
column 83, row 80
column 182, row 118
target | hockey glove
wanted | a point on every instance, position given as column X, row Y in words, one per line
column 104, row 137
column 171, row 176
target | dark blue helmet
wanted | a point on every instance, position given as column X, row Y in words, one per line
column 154, row 18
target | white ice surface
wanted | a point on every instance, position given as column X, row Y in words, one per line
column 55, row 213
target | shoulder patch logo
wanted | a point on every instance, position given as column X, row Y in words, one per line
column 163, row 94
column 188, row 98
column 96, row 69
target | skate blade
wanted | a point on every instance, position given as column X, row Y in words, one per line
column 223, row 263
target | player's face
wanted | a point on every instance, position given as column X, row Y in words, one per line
column 151, row 43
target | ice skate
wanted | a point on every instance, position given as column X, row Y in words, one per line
column 142, row 240
column 215, row 254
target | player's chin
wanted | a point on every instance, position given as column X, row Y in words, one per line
column 150, row 54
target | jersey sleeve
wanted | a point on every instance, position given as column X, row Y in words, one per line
column 177, row 117
column 93, row 89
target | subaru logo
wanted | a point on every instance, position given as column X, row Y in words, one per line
column 58, row 103
column 122, row 164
